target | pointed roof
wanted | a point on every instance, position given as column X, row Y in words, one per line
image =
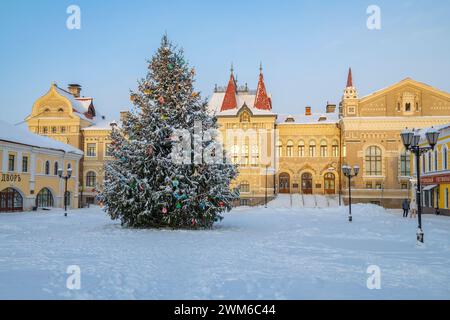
column 229, row 100
column 349, row 78
column 262, row 100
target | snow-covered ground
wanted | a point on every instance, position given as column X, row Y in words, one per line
column 255, row 253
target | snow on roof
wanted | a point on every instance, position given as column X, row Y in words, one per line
column 77, row 105
column 325, row 118
column 102, row 125
column 243, row 98
column 20, row 135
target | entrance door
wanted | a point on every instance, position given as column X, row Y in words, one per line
column 285, row 184
column 307, row 183
column 10, row 200
column 329, row 183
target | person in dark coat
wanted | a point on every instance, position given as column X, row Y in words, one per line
column 405, row 207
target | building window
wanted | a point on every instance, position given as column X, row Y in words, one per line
column 290, row 149
column 405, row 164
column 378, row 186
column 255, row 155
column 244, row 186
column 373, row 161
column 108, row 150
column 45, row 130
column 279, row 149
column 245, row 117
column 301, row 149
column 44, row 199
column 444, row 158
column 11, row 162
column 335, row 149
column 408, row 107
column 53, row 129
column 91, row 150
column 368, row 185
column 91, row 179
column 436, row 157
column 47, row 167
column 323, row 149
column 430, row 162
column 24, row 164
column 235, row 154
column 55, row 169
column 423, row 163
column 404, row 186
column 312, row 148
column 63, row 129
column 245, row 155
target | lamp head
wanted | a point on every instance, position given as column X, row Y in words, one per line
column 346, row 170
column 432, row 137
column 407, row 137
column 60, row 172
column 69, row 172
column 415, row 140
column 356, row 169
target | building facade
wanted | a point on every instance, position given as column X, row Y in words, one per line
column 299, row 153
column 66, row 116
column 29, row 167
column 435, row 174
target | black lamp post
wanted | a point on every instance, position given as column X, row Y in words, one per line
column 347, row 170
column 411, row 141
column 66, row 178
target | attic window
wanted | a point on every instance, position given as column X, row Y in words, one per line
column 47, row 110
column 60, row 110
column 245, row 117
column 290, row 119
column 322, row 118
column 408, row 107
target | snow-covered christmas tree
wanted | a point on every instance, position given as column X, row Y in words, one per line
column 146, row 185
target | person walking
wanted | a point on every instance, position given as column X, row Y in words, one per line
column 405, row 206
column 413, row 208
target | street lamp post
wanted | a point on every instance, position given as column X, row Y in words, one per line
column 66, row 178
column 411, row 141
column 347, row 170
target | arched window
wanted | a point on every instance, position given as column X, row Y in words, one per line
column 335, row 148
column 244, row 186
column 47, row 167
column 91, row 178
column 279, row 148
column 323, row 148
column 10, row 200
column 290, row 149
column 55, row 169
column 301, row 148
column 444, row 158
column 44, row 199
column 373, row 161
column 245, row 117
column 405, row 164
column 312, row 148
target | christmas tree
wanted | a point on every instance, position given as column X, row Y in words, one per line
column 168, row 169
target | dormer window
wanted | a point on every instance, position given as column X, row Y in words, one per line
column 245, row 117
column 290, row 119
column 60, row 110
column 407, row 107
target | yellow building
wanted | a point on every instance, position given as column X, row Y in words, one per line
column 276, row 153
column 66, row 116
column 435, row 173
column 371, row 128
column 29, row 166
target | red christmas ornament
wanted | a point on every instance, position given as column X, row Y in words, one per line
column 161, row 100
column 193, row 222
column 221, row 204
column 164, row 210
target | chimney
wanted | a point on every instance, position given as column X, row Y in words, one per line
column 123, row 115
column 308, row 111
column 75, row 89
column 331, row 108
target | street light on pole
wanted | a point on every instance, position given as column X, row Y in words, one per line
column 347, row 170
column 66, row 178
column 411, row 141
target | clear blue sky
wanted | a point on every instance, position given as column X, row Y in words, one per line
column 306, row 47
